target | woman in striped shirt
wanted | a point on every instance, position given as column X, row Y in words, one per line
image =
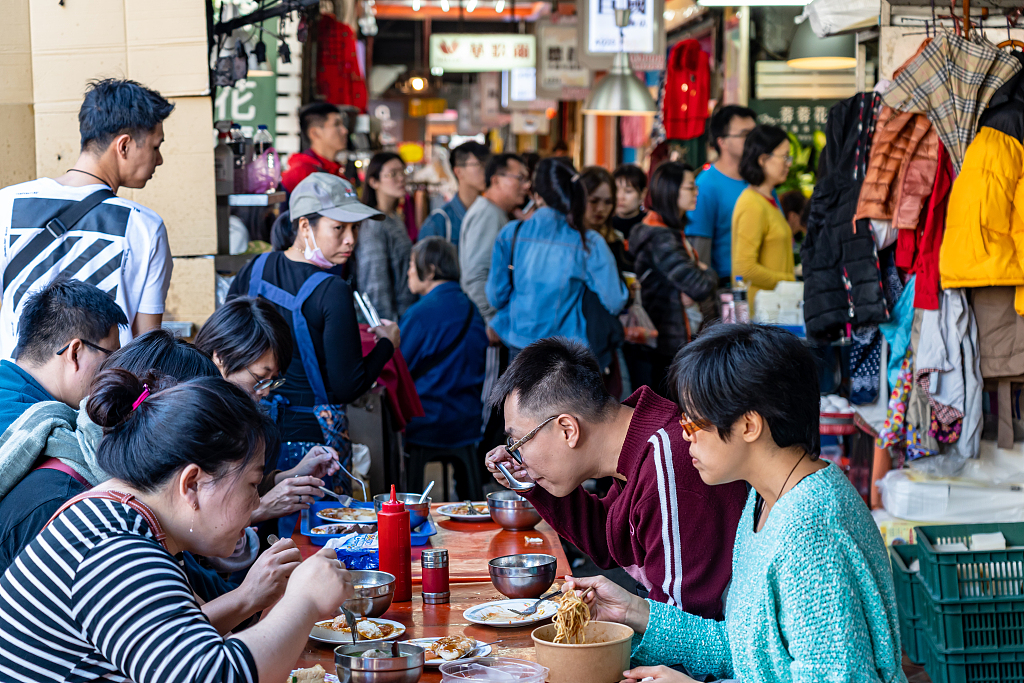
column 99, row 594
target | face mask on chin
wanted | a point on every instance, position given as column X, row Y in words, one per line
column 315, row 256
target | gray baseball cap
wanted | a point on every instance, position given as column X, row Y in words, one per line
column 331, row 196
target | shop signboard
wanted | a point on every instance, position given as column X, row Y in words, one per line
column 250, row 103
column 558, row 60
column 530, row 123
column 799, row 117
column 604, row 36
column 473, row 52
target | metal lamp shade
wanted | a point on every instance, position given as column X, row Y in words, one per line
column 620, row 93
column 808, row 51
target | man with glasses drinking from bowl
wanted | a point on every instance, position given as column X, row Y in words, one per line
column 660, row 522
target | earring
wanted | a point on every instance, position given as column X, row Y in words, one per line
column 193, row 522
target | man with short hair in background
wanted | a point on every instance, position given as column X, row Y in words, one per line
column 323, row 125
column 709, row 225
column 508, row 183
column 468, row 162
column 119, row 246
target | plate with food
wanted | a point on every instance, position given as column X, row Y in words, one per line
column 315, row 674
column 499, row 613
column 441, row 650
column 460, row 512
column 335, row 631
column 348, row 515
column 341, row 529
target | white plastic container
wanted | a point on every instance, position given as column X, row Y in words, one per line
column 485, row 669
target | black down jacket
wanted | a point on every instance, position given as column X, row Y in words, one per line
column 840, row 262
column 665, row 270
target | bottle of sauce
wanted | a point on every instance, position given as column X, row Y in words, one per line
column 394, row 544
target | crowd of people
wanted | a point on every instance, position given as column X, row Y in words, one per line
column 142, row 475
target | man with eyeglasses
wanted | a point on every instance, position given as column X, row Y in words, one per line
column 66, row 331
column 468, row 162
column 660, row 522
column 709, row 225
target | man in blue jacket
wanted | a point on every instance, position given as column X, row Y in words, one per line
column 65, row 332
column 468, row 161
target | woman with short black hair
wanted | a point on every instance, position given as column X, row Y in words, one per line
column 99, row 593
column 762, row 241
column 811, row 597
column 444, row 342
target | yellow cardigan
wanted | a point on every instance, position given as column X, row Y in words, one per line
column 762, row 244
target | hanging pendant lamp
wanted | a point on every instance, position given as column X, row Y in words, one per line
column 620, row 92
column 808, row 51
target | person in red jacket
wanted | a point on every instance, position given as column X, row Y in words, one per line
column 324, row 126
column 660, row 522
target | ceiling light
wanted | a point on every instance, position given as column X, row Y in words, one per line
column 471, row 5
column 753, row 3
column 500, row 7
column 445, row 6
column 417, row 83
column 620, row 92
column 808, row 51
column 436, row 71
column 415, row 5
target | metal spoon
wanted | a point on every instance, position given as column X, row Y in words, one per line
column 423, row 496
column 472, row 508
column 470, row 654
column 514, row 483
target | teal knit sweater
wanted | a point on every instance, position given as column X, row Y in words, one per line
column 811, row 598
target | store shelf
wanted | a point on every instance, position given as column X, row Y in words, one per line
column 231, row 264
column 257, row 199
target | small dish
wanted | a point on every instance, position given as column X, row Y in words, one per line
column 323, row 633
column 450, row 511
column 347, row 516
column 496, row 613
column 328, row 678
column 437, row 661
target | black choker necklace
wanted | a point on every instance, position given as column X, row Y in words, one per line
column 78, row 170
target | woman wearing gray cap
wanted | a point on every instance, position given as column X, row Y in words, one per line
column 309, row 404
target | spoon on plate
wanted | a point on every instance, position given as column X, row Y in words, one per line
column 470, row 654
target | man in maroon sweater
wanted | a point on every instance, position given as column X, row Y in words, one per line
column 660, row 522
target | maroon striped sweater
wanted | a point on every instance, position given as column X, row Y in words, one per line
column 667, row 528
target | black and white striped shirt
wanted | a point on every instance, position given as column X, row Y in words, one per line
column 95, row 596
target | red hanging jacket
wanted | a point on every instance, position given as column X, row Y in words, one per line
column 338, row 76
column 687, row 87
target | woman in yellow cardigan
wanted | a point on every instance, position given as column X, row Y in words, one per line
column 762, row 241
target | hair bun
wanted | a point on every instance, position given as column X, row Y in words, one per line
column 115, row 390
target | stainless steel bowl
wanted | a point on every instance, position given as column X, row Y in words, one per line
column 511, row 511
column 373, row 596
column 522, row 576
column 417, row 511
column 355, row 669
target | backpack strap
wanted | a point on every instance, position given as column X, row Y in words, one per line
column 432, row 361
column 55, row 464
column 447, row 222
column 512, row 255
column 123, row 498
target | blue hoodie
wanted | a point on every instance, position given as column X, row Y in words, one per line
column 551, row 271
column 18, row 391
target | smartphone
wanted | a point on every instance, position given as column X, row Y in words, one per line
column 528, row 208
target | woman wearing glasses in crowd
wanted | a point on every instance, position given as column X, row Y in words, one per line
column 328, row 369
column 382, row 256
column 251, row 345
column 762, row 241
column 811, row 597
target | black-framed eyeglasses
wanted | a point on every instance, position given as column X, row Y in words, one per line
column 520, row 178
column 512, row 446
column 95, row 347
column 265, row 384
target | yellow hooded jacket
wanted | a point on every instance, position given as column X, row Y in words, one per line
column 983, row 245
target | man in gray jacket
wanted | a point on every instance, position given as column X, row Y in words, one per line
column 508, row 183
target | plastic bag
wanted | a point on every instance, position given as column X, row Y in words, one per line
column 638, row 326
column 264, row 172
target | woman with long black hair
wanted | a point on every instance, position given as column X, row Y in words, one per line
column 672, row 278
column 382, row 256
column 542, row 267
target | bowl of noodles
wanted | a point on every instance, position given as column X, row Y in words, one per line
column 575, row 648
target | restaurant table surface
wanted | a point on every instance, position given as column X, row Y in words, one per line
column 470, row 545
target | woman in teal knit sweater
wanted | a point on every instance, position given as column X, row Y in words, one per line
column 811, row 597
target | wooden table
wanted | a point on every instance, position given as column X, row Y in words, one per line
column 470, row 546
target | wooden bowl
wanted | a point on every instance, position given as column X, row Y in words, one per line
column 602, row 659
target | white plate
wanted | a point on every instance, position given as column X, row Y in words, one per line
column 477, row 614
column 485, row 516
column 370, row 518
column 330, row 637
column 328, row 678
column 423, row 642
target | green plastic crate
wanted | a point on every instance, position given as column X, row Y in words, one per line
column 905, row 582
column 981, row 575
column 913, row 637
column 974, row 625
column 965, row 667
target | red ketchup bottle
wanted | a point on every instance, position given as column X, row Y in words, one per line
column 394, row 545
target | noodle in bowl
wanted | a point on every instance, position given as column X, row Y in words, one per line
column 601, row 658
